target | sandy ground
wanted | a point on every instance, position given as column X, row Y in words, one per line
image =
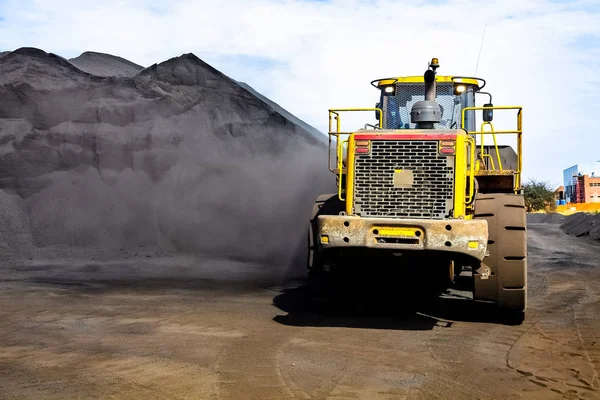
column 80, row 332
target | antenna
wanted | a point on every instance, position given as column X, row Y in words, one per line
column 480, row 48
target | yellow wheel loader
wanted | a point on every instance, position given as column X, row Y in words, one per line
column 421, row 184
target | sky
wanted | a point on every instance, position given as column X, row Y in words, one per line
column 309, row 56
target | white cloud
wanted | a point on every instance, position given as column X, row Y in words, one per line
column 541, row 54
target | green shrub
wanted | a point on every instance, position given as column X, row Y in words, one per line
column 539, row 196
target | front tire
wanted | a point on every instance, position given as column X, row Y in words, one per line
column 507, row 258
column 319, row 281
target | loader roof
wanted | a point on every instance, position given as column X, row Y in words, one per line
column 419, row 79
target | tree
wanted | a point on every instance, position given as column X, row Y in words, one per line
column 539, row 196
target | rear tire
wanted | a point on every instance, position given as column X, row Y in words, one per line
column 507, row 258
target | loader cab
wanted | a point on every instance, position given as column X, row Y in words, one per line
column 398, row 95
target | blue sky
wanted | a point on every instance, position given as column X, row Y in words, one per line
column 309, row 56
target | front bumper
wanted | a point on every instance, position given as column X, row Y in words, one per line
column 468, row 237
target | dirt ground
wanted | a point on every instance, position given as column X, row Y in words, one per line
column 79, row 332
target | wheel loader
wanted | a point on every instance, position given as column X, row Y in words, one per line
column 430, row 183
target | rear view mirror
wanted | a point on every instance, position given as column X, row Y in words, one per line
column 488, row 115
column 377, row 113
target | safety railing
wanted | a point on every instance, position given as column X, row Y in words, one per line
column 518, row 132
column 341, row 138
column 483, row 154
column 471, row 174
column 335, row 126
column 340, row 157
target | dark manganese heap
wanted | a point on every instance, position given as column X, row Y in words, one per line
column 98, row 152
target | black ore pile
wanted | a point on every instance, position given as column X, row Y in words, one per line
column 176, row 158
column 100, row 64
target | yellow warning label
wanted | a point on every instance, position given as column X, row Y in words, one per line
column 397, row 231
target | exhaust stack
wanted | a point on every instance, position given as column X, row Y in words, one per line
column 427, row 112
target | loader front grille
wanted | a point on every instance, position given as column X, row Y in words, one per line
column 431, row 195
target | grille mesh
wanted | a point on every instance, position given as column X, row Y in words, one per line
column 431, row 194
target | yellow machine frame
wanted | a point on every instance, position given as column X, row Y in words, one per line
column 465, row 150
column 518, row 132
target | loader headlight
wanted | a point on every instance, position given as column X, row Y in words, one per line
column 390, row 90
column 458, row 89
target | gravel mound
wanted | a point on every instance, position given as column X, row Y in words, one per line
column 179, row 159
column 545, row 218
column 582, row 224
column 101, row 64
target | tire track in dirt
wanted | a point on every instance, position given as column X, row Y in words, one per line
column 358, row 364
column 480, row 352
column 559, row 354
column 500, row 349
column 248, row 369
column 586, row 316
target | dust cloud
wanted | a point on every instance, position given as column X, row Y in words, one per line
column 175, row 171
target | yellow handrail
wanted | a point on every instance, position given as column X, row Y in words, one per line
column 334, row 114
column 495, row 146
column 520, row 149
column 482, row 152
column 518, row 132
column 484, row 156
column 472, row 146
column 341, row 168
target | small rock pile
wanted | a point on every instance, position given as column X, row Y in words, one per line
column 582, row 224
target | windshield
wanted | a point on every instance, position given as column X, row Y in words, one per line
column 398, row 106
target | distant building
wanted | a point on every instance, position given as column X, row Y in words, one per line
column 559, row 194
column 582, row 183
